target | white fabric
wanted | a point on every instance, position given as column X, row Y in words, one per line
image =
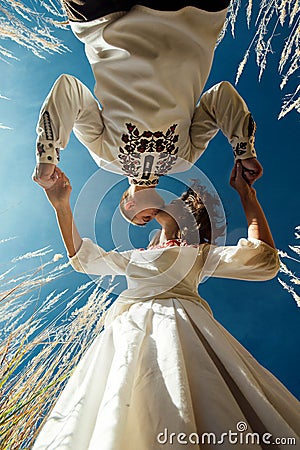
column 164, row 365
column 150, row 69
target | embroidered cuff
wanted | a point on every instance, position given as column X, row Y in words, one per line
column 243, row 149
column 47, row 153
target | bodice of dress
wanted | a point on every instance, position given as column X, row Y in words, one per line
column 169, row 272
column 164, row 272
column 176, row 271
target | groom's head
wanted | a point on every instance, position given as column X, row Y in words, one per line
column 140, row 204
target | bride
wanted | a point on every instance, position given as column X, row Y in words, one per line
column 164, row 373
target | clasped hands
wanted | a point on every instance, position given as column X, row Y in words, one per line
column 54, row 181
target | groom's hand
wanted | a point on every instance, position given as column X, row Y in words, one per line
column 45, row 174
column 239, row 182
column 252, row 169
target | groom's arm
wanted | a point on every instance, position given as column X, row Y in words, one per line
column 222, row 108
column 69, row 106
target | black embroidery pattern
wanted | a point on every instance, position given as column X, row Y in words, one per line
column 47, row 126
column 40, row 149
column 241, row 147
column 137, row 143
column 251, row 127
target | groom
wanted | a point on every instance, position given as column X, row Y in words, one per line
column 150, row 68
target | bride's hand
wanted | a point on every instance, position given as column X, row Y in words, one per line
column 59, row 194
column 239, row 183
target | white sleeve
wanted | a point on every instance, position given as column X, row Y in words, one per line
column 93, row 260
column 251, row 259
column 69, row 106
column 222, row 108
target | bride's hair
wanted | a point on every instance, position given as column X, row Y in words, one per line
column 200, row 221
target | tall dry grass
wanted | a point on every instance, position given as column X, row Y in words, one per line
column 267, row 21
column 31, row 27
column 42, row 340
column 288, row 278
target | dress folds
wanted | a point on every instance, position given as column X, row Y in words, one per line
column 164, row 374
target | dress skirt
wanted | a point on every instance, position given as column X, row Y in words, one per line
column 164, row 374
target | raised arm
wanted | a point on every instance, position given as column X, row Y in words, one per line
column 59, row 197
column 85, row 256
column 254, row 258
column 222, row 108
column 258, row 227
column 69, row 106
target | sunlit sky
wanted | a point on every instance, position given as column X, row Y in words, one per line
column 261, row 315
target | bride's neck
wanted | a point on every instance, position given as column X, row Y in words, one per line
column 169, row 232
column 169, row 226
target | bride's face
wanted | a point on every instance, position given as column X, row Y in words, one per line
column 145, row 216
column 166, row 216
column 144, row 205
column 169, row 219
column 171, row 213
column 174, row 218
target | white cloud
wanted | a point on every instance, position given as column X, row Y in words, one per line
column 5, row 127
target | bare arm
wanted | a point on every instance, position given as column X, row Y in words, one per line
column 85, row 256
column 68, row 230
column 258, row 226
column 59, row 197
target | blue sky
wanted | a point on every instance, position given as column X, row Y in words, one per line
column 262, row 316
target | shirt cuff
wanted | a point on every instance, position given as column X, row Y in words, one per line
column 243, row 146
column 46, row 152
column 243, row 149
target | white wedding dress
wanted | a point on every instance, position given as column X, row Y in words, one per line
column 164, row 374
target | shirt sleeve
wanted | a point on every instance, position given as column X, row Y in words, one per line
column 69, row 106
column 93, row 260
column 251, row 259
column 222, row 108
